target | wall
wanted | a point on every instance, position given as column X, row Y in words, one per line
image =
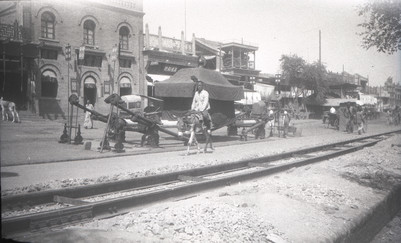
column 70, row 17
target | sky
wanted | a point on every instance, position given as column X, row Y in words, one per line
column 279, row 27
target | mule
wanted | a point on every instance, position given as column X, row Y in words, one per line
column 190, row 124
column 11, row 107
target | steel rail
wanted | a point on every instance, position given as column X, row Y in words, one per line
column 89, row 210
column 36, row 198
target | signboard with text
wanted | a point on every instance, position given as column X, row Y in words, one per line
column 81, row 55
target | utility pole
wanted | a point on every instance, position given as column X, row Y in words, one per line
column 320, row 48
column 68, row 59
column 185, row 19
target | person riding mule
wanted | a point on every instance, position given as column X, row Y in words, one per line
column 200, row 102
column 189, row 124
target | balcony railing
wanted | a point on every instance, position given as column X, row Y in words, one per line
column 14, row 32
column 169, row 44
column 238, row 63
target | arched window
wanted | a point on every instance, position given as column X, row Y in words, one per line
column 47, row 27
column 124, row 34
column 89, row 32
column 49, row 84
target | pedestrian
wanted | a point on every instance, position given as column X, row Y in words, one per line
column 88, row 123
column 333, row 110
column 360, row 121
column 270, row 122
column 286, row 122
column 343, row 116
column 351, row 120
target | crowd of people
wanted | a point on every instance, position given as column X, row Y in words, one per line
column 350, row 115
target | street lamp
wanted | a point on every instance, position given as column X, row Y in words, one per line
column 278, row 80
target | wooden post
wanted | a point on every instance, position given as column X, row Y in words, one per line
column 4, row 69
column 106, row 129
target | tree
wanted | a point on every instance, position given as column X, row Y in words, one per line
column 304, row 77
column 389, row 83
column 293, row 67
column 315, row 76
column 382, row 25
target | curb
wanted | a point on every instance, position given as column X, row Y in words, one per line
column 370, row 223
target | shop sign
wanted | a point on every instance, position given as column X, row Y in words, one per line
column 74, row 85
column 106, row 87
column 81, row 55
column 170, row 69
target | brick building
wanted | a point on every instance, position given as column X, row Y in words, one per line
column 106, row 40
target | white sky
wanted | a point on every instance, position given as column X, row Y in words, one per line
column 279, row 27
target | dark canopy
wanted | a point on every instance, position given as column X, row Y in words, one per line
column 181, row 85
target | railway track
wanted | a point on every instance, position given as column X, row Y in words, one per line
column 55, row 208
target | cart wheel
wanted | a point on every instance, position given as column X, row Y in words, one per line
column 153, row 140
column 106, row 144
column 143, row 139
column 262, row 133
column 119, row 146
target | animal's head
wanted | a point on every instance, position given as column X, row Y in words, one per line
column 180, row 126
column 183, row 125
column 73, row 99
column 114, row 99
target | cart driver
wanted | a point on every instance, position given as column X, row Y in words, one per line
column 200, row 103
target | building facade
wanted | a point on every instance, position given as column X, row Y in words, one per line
column 91, row 48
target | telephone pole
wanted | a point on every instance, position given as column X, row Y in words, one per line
column 320, row 48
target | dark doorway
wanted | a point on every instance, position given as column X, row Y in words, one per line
column 14, row 89
column 90, row 90
column 125, row 91
column 90, row 94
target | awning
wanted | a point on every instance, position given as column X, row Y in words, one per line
column 125, row 82
column 250, row 97
column 157, row 77
column 182, row 85
column 49, row 76
column 337, row 102
column 90, row 83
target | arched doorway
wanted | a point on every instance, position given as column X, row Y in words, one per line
column 125, row 86
column 49, row 85
column 90, row 90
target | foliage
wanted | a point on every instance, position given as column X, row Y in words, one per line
column 304, row 76
column 315, row 78
column 292, row 67
column 389, row 81
column 382, row 25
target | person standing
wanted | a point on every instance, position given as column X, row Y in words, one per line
column 270, row 122
column 286, row 122
column 88, row 123
column 360, row 121
column 201, row 104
